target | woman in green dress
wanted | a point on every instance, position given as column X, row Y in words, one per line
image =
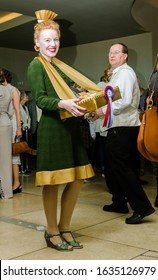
column 61, row 156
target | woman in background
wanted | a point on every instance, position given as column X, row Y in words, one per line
column 25, row 124
column 6, row 112
column 16, row 125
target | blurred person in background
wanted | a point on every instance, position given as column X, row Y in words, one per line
column 16, row 125
column 6, row 112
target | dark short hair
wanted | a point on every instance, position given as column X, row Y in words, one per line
column 2, row 77
column 6, row 75
column 124, row 47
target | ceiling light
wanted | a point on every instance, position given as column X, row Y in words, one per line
column 10, row 20
column 9, row 16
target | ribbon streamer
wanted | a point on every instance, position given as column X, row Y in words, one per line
column 109, row 95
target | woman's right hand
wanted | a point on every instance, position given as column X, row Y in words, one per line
column 71, row 106
column 18, row 132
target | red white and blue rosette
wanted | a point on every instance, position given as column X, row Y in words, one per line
column 109, row 95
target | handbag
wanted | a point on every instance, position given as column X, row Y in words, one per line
column 148, row 132
column 147, row 141
column 148, row 135
column 20, row 147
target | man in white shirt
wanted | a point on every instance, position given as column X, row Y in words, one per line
column 121, row 144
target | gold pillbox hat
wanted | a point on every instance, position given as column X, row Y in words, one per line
column 43, row 15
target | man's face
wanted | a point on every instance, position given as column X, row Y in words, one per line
column 116, row 56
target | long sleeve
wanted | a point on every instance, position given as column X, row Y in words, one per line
column 41, row 87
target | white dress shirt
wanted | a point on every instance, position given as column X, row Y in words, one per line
column 125, row 110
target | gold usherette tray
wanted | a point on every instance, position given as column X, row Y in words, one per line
column 91, row 102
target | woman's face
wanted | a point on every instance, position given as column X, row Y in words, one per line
column 26, row 97
column 48, row 43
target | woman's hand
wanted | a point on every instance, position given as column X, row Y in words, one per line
column 19, row 132
column 71, row 106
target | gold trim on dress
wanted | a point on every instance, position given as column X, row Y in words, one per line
column 64, row 176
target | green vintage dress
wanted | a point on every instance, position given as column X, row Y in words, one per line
column 61, row 156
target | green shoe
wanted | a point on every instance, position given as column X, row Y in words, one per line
column 63, row 246
column 75, row 244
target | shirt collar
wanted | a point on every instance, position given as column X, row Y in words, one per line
column 117, row 69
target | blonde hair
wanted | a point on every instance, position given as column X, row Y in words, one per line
column 40, row 26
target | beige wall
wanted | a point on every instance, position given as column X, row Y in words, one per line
column 89, row 59
column 16, row 61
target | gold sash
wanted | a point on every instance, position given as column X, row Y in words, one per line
column 62, row 89
column 91, row 102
